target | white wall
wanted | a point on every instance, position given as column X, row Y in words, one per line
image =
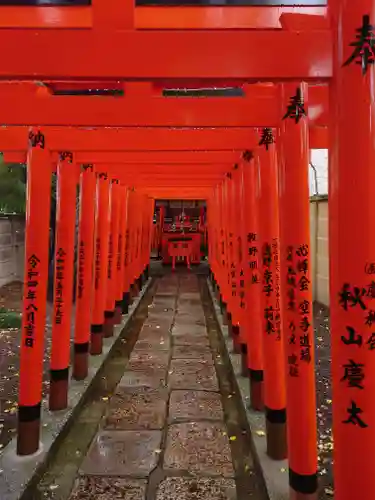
column 319, row 249
column 319, row 158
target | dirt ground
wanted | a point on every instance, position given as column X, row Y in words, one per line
column 11, row 298
column 324, row 398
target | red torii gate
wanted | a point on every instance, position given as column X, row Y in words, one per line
column 26, row 103
column 317, row 53
column 130, row 139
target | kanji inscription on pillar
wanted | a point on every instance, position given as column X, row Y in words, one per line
column 296, row 108
column 81, row 269
column 31, row 299
column 253, row 250
column 267, row 138
column 59, row 285
column 364, row 46
column 354, row 299
column 298, row 308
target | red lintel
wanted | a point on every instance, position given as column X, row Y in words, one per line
column 15, row 139
column 27, row 104
column 212, row 17
column 159, row 157
column 132, row 139
column 260, row 55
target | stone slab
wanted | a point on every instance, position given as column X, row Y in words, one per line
column 192, row 352
column 153, row 345
column 164, row 304
column 199, row 447
column 189, row 319
column 154, row 336
column 196, row 318
column 147, row 377
column 149, row 361
column 189, row 329
column 160, row 312
column 149, row 358
column 192, row 374
column 195, row 405
column 140, row 408
column 123, row 453
column 190, row 307
column 202, row 488
column 165, row 297
column 163, row 322
column 158, row 323
column 168, row 291
column 190, row 339
column 191, row 293
column 108, row 488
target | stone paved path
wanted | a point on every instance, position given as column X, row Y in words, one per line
column 164, row 435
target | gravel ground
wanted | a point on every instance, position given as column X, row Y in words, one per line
column 324, row 398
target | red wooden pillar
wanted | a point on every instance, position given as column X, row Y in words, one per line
column 215, row 211
column 118, row 257
column 63, row 282
column 253, row 283
column 111, row 316
column 130, row 241
column 297, row 319
column 241, row 251
column 141, row 216
column 136, row 241
column 142, row 229
column 273, row 347
column 161, row 228
column 232, row 283
column 352, row 247
column 35, row 294
column 85, row 271
column 213, row 249
column 123, row 291
column 135, row 244
column 123, row 227
column 102, row 224
column 225, row 284
column 149, row 227
column 230, row 264
column 143, row 239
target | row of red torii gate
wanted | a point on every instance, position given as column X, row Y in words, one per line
column 248, row 158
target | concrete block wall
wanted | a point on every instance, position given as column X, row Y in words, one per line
column 319, row 248
column 12, row 248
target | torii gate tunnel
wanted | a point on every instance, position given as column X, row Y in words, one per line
column 307, row 79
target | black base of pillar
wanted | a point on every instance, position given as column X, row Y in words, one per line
column 222, row 305
column 125, row 303
column 132, row 293
column 140, row 282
